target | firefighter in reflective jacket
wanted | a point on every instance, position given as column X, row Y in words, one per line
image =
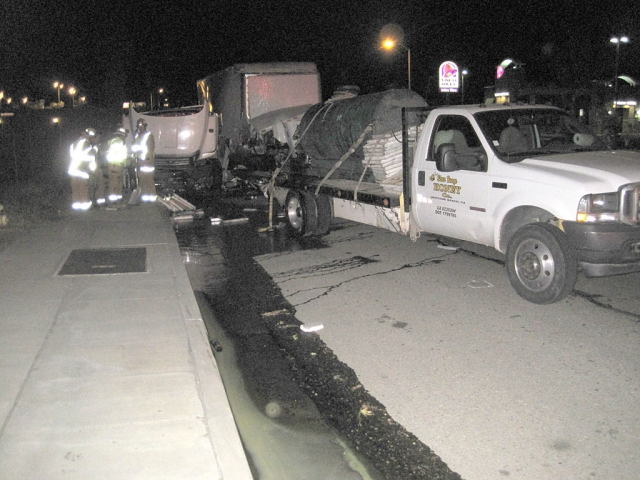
column 116, row 161
column 143, row 150
column 82, row 169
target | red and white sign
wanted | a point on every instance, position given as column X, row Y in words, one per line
column 449, row 77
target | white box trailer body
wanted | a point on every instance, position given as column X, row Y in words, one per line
column 259, row 104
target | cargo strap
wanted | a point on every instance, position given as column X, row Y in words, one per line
column 349, row 152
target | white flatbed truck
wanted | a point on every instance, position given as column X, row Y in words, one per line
column 527, row 180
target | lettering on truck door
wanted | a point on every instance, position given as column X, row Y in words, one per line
column 454, row 203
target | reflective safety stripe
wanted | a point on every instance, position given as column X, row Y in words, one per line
column 78, row 173
column 114, row 198
column 81, row 159
column 147, row 169
column 81, row 205
column 148, row 198
column 140, row 145
column 117, row 151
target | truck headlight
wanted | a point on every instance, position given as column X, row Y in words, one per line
column 598, row 207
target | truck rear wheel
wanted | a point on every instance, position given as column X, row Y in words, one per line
column 324, row 214
column 540, row 265
column 301, row 213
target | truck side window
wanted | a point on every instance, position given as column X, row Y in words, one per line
column 457, row 130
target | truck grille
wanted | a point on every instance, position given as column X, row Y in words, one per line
column 630, row 203
column 171, row 162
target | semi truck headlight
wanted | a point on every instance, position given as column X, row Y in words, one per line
column 598, row 207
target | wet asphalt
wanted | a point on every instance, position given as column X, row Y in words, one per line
column 295, row 380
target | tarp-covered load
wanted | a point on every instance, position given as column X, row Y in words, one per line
column 328, row 130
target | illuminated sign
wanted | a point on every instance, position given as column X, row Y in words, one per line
column 449, row 77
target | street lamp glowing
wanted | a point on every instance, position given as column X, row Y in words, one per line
column 72, row 93
column 622, row 39
column 58, row 86
column 389, row 44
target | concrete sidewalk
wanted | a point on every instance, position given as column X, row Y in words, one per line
column 103, row 374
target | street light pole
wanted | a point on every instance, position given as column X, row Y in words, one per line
column 72, row 93
column 617, row 41
column 463, row 73
column 58, row 86
column 408, row 65
column 388, row 44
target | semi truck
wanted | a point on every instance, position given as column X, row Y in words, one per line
column 245, row 118
column 528, row 180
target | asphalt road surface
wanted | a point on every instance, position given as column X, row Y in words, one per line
column 498, row 387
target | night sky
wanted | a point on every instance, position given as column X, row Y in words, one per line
column 114, row 50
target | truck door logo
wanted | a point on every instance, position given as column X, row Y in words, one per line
column 446, row 185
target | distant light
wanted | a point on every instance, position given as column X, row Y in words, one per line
column 622, row 39
column 55, row 120
column 389, row 43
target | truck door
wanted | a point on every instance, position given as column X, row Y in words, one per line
column 454, row 203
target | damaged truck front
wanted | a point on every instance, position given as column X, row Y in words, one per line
column 185, row 144
column 242, row 127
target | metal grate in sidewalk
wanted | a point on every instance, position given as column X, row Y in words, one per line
column 105, row 261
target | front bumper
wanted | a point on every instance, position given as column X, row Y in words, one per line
column 607, row 248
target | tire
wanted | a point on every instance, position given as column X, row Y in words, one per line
column 540, row 265
column 301, row 213
column 324, row 214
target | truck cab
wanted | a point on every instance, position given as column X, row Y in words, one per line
column 526, row 179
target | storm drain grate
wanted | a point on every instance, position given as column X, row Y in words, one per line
column 105, row 261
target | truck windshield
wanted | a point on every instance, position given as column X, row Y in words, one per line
column 517, row 133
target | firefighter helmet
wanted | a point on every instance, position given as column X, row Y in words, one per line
column 90, row 132
column 122, row 131
column 141, row 123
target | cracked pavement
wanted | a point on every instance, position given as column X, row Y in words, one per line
column 496, row 386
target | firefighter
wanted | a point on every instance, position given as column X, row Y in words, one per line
column 100, row 185
column 116, row 156
column 82, row 169
column 143, row 150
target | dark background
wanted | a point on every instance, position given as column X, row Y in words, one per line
column 120, row 50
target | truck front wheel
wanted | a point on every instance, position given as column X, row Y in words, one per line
column 540, row 265
column 301, row 213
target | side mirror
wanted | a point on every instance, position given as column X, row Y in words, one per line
column 446, row 158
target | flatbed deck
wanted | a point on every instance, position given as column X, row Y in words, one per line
column 385, row 194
